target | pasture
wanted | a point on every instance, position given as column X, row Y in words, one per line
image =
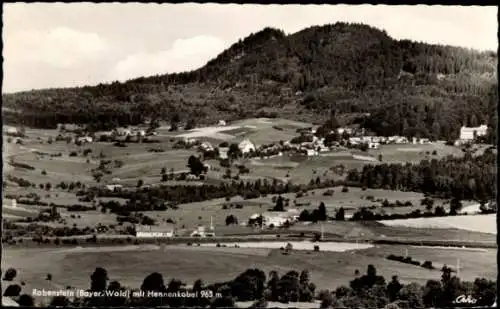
column 258, row 130
column 477, row 223
column 130, row 265
column 414, row 153
column 301, row 169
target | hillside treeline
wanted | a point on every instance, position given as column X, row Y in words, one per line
column 345, row 68
column 451, row 177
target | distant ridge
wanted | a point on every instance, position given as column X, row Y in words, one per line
column 342, row 69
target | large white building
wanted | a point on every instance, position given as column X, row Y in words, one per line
column 147, row 231
column 272, row 219
column 246, row 146
column 469, row 133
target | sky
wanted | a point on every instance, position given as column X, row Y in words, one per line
column 49, row 45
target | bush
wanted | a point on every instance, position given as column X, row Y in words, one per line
column 328, row 193
column 10, row 274
column 345, row 189
column 12, row 290
column 26, row 300
column 428, row 265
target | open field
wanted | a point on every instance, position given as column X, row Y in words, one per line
column 302, row 169
column 193, row 214
column 328, row 269
column 478, row 223
column 414, row 153
column 298, row 245
column 258, row 130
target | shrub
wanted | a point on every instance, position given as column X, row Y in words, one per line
column 345, row 189
column 10, row 274
column 328, row 193
column 12, row 290
column 428, row 265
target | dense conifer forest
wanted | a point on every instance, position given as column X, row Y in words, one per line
column 355, row 71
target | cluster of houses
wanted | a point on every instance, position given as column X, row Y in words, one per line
column 374, row 142
column 275, row 219
column 168, row 230
column 245, row 146
column 124, row 132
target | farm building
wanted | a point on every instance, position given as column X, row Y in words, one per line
column 206, row 146
column 148, row 231
column 189, row 141
column 373, row 145
column 201, row 232
column 141, row 133
column 246, row 146
column 272, row 219
column 397, row 139
column 223, row 153
column 311, row 152
column 84, row 139
column 346, row 130
column 467, row 134
column 221, row 123
column 123, row 132
column 113, row 187
column 11, row 130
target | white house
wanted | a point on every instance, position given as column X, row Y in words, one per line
column 355, row 140
column 246, row 146
column 201, row 232
column 469, row 133
column 311, row 152
column 206, row 146
column 141, row 133
column 113, row 187
column 189, row 141
column 221, row 123
column 85, row 139
column 223, row 152
column 147, row 231
column 373, row 145
column 277, row 218
column 124, row 132
column 11, row 130
column 346, row 130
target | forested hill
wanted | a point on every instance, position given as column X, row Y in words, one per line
column 401, row 87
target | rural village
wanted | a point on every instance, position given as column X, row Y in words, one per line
column 271, row 177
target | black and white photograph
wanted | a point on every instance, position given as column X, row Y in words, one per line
column 218, row 155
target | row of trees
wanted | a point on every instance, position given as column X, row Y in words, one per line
column 369, row 290
column 472, row 178
column 180, row 194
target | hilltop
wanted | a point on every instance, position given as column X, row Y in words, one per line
column 356, row 72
